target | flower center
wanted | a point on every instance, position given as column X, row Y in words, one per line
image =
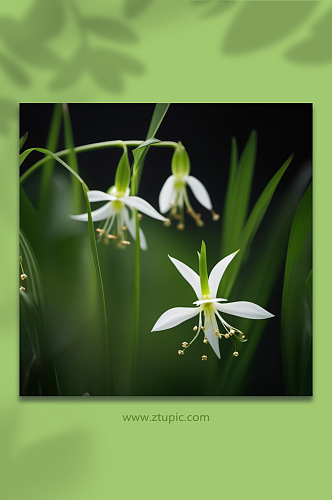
column 117, row 205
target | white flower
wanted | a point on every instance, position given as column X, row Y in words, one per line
column 173, row 195
column 208, row 306
column 117, row 213
column 117, row 210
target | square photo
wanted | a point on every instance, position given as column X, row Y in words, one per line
column 165, row 249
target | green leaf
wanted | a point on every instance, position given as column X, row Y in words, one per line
column 253, row 224
column 227, row 225
column 140, row 153
column 23, row 139
column 157, row 117
column 203, row 271
column 295, row 340
column 257, row 283
column 242, row 188
column 122, row 175
column 51, row 145
column 33, row 284
column 139, row 156
column 26, row 153
column 72, row 157
column 112, row 388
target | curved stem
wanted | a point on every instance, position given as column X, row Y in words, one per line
column 92, row 147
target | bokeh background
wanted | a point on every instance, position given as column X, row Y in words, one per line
column 181, row 46
column 74, row 333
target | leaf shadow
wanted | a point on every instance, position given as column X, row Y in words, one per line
column 215, row 8
column 8, row 110
column 317, row 47
column 262, row 24
column 134, row 8
column 27, row 38
column 105, row 66
column 61, row 455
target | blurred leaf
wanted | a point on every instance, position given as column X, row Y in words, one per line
column 238, row 193
column 72, row 157
column 14, row 71
column 257, row 284
column 134, row 8
column 23, row 139
column 110, row 29
column 260, row 24
column 51, row 144
column 44, row 20
column 315, row 49
column 93, row 245
column 29, row 48
column 227, row 226
column 295, row 341
column 253, row 224
column 306, row 385
column 108, row 67
column 69, row 71
column 111, row 387
column 217, row 7
column 33, row 283
column 8, row 113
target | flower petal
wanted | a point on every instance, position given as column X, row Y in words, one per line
column 174, row 317
column 217, row 273
column 189, row 275
column 206, row 301
column 213, row 339
column 244, row 310
column 130, row 223
column 199, row 192
column 166, row 195
column 101, row 213
column 142, row 206
column 100, row 196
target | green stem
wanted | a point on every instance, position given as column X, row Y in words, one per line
column 92, row 147
column 137, row 280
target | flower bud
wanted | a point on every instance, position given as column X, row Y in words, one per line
column 122, row 176
column 180, row 162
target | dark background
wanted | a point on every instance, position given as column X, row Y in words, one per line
column 206, row 131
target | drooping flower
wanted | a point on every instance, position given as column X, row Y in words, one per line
column 208, row 307
column 117, row 212
column 174, row 196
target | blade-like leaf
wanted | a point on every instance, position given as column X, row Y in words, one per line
column 51, row 145
column 23, row 139
column 93, row 245
column 157, row 117
column 226, row 235
column 140, row 153
column 295, row 341
column 72, row 157
column 238, row 193
column 253, row 224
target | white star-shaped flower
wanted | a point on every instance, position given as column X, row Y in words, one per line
column 174, row 197
column 208, row 306
column 117, row 211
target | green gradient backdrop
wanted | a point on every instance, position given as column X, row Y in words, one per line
column 175, row 52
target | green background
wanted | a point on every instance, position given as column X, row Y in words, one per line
column 176, row 52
